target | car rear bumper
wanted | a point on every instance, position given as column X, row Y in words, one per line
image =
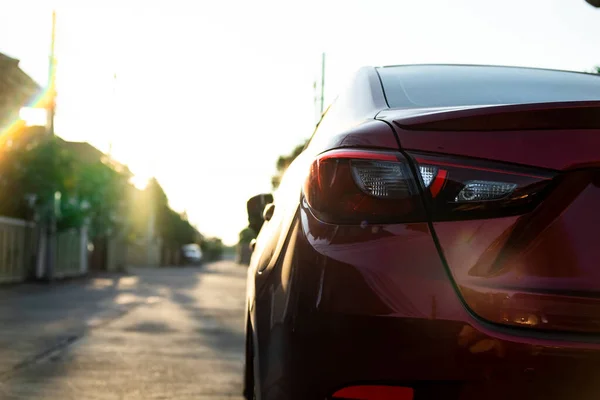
column 439, row 359
column 351, row 306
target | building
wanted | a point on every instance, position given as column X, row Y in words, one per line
column 17, row 90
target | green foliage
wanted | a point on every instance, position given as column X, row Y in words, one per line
column 100, row 196
column 283, row 162
column 44, row 168
column 35, row 166
column 173, row 228
column 212, row 249
column 32, row 174
column 596, row 70
column 157, row 194
column 246, row 235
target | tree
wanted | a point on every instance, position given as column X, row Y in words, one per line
column 35, row 166
column 92, row 188
column 32, row 174
column 596, row 69
column 212, row 249
column 283, row 162
column 174, row 228
column 100, row 196
column 246, row 235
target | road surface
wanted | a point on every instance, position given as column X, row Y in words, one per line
column 168, row 333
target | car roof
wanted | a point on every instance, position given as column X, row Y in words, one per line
column 489, row 66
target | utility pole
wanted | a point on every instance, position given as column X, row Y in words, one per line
column 51, row 108
column 322, row 82
column 114, row 116
column 51, row 89
column 320, row 98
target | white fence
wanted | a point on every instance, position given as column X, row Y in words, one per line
column 23, row 251
column 18, row 242
column 71, row 253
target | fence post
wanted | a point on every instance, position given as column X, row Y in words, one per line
column 83, row 250
column 41, row 256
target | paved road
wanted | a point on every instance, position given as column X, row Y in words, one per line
column 174, row 333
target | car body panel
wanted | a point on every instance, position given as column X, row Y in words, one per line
column 499, row 117
column 557, row 149
column 332, row 306
column 378, row 327
column 539, row 269
column 272, row 250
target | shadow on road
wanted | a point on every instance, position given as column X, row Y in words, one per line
column 180, row 321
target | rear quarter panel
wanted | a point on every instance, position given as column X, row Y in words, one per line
column 271, row 283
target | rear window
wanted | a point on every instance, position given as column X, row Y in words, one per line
column 414, row 86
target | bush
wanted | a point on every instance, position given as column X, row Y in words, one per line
column 246, row 235
column 212, row 249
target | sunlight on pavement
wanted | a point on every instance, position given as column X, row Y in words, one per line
column 126, row 298
column 128, row 282
column 153, row 299
column 92, row 322
column 176, row 333
column 101, row 283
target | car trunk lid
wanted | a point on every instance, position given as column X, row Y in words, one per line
column 539, row 269
column 552, row 135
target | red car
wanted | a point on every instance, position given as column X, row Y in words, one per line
column 438, row 238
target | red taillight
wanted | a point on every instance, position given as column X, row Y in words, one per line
column 470, row 189
column 355, row 186
column 358, row 186
column 375, row 392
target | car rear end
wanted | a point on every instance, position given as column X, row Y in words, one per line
column 463, row 264
column 192, row 254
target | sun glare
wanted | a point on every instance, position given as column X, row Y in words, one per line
column 140, row 182
column 33, row 116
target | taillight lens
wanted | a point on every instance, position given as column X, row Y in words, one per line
column 359, row 186
column 355, row 186
column 460, row 188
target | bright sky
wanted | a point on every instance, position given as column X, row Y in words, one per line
column 209, row 93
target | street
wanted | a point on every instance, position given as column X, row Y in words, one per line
column 155, row 333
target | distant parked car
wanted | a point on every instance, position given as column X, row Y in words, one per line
column 191, row 254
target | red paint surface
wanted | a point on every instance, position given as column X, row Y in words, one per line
column 358, row 155
column 375, row 393
column 376, row 303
